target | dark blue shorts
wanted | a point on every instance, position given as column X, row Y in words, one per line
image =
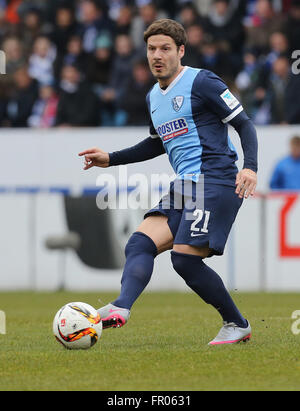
column 199, row 214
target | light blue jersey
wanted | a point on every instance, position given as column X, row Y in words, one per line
column 191, row 117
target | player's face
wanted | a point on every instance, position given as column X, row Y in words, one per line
column 164, row 58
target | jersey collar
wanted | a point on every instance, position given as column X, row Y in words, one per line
column 174, row 82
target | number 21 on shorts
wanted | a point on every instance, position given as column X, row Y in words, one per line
column 196, row 231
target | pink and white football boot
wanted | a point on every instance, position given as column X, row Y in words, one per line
column 230, row 333
column 113, row 317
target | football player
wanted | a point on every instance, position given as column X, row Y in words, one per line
column 190, row 110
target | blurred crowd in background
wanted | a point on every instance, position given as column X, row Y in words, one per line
column 83, row 63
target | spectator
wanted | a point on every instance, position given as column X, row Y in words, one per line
column 195, row 39
column 278, row 83
column 65, row 27
column 133, row 100
column 15, row 58
column 78, row 105
column 292, row 98
column 30, row 28
column 122, row 68
column 285, row 93
column 44, row 109
column 218, row 61
column 11, row 12
column 264, row 23
column 189, row 16
column 93, row 21
column 115, row 8
column 74, row 56
column 279, row 45
column 252, row 83
column 292, row 27
column 225, row 25
column 124, row 21
column 261, row 112
column 249, row 79
column 99, row 66
column 22, row 99
column 286, row 175
column 147, row 13
column 42, row 59
column 203, row 6
column 123, row 61
column 51, row 7
column 277, row 95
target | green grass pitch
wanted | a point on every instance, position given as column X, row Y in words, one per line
column 162, row 348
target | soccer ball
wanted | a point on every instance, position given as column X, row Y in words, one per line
column 77, row 326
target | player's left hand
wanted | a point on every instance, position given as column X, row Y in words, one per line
column 246, row 182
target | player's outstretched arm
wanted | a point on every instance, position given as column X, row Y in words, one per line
column 143, row 151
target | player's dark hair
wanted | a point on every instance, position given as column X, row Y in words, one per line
column 169, row 28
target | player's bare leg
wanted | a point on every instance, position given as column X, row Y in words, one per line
column 188, row 262
column 202, row 252
column 152, row 237
column 157, row 228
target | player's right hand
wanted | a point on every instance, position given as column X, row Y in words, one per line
column 95, row 157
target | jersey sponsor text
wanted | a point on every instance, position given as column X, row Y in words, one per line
column 172, row 129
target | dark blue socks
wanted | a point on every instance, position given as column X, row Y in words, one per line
column 140, row 254
column 208, row 285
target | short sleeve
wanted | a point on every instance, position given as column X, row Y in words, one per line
column 219, row 98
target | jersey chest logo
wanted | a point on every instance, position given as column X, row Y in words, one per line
column 171, row 129
column 177, row 102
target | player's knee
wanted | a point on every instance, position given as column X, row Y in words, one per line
column 179, row 262
column 182, row 265
column 140, row 243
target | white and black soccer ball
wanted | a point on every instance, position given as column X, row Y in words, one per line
column 77, row 326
